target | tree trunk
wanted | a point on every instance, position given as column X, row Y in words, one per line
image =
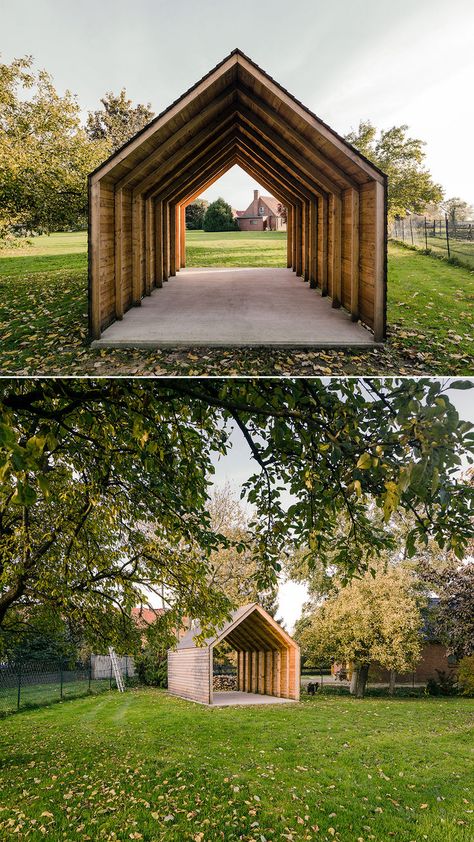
column 359, row 678
column 391, row 686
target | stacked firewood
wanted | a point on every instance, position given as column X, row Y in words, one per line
column 225, row 682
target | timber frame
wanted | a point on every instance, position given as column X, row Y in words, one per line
column 237, row 114
column 268, row 659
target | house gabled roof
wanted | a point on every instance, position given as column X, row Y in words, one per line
column 247, row 622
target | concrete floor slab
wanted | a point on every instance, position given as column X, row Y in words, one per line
column 235, row 697
column 235, row 307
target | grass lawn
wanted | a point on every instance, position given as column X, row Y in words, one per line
column 42, row 694
column 43, row 316
column 146, row 766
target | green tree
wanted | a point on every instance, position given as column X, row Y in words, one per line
column 45, row 155
column 457, row 209
column 117, row 120
column 233, row 568
column 218, row 217
column 453, row 616
column 410, row 185
column 373, row 619
column 195, row 213
column 104, row 485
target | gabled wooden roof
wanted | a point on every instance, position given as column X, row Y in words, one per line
column 251, row 627
column 239, row 103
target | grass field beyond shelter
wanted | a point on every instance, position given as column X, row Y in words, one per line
column 43, row 315
column 143, row 765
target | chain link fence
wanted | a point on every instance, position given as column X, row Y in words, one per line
column 452, row 240
column 34, row 683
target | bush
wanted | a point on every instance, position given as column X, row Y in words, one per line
column 151, row 670
column 218, row 217
column 445, row 686
column 466, row 675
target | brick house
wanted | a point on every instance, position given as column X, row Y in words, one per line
column 265, row 213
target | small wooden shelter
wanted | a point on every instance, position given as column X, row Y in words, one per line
column 237, row 114
column 268, row 659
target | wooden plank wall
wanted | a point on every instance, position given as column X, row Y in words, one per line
column 367, row 253
column 189, row 674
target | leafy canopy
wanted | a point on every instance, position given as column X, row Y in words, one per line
column 410, row 185
column 45, row 154
column 195, row 213
column 104, row 486
column 118, row 120
column 373, row 619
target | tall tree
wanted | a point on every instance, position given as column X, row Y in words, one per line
column 85, row 466
column 117, row 120
column 373, row 619
column 219, row 217
column 411, row 186
column 45, row 155
column 453, row 616
column 233, row 568
column 195, row 213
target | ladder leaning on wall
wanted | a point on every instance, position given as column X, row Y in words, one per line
column 116, row 670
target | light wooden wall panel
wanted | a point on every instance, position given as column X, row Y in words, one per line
column 189, row 674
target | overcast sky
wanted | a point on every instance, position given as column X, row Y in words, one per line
column 238, row 465
column 404, row 62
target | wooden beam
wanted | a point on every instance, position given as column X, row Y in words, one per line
column 289, row 234
column 261, row 672
column 298, row 236
column 166, row 242
column 119, row 237
column 150, row 247
column 354, row 253
column 247, row 672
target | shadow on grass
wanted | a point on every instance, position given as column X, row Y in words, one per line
column 32, row 265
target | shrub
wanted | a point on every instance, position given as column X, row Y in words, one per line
column 218, row 217
column 151, row 670
column 466, row 675
column 446, row 685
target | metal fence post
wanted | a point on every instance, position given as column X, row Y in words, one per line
column 426, row 235
column 19, row 687
column 411, row 232
column 447, row 236
column 90, row 673
column 61, row 677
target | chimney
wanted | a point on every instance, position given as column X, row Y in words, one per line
column 256, row 195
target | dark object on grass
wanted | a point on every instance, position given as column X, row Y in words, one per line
column 312, row 688
column 445, row 686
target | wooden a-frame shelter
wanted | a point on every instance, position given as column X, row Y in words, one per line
column 237, row 114
column 268, row 659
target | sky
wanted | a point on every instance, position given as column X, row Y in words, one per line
column 404, row 62
column 238, row 465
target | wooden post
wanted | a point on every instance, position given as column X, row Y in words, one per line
column 247, row 671
column 324, row 246
column 261, row 672
column 379, row 279
column 136, row 251
column 269, row 672
column 313, row 244
column 289, row 236
column 119, row 237
column 173, row 240
column 159, row 244
column 305, row 243
column 166, row 241
column 95, row 325
column 298, row 238
column 336, row 251
column 183, row 236
column 277, row 672
column 150, row 257
column 355, row 234
column 254, row 681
